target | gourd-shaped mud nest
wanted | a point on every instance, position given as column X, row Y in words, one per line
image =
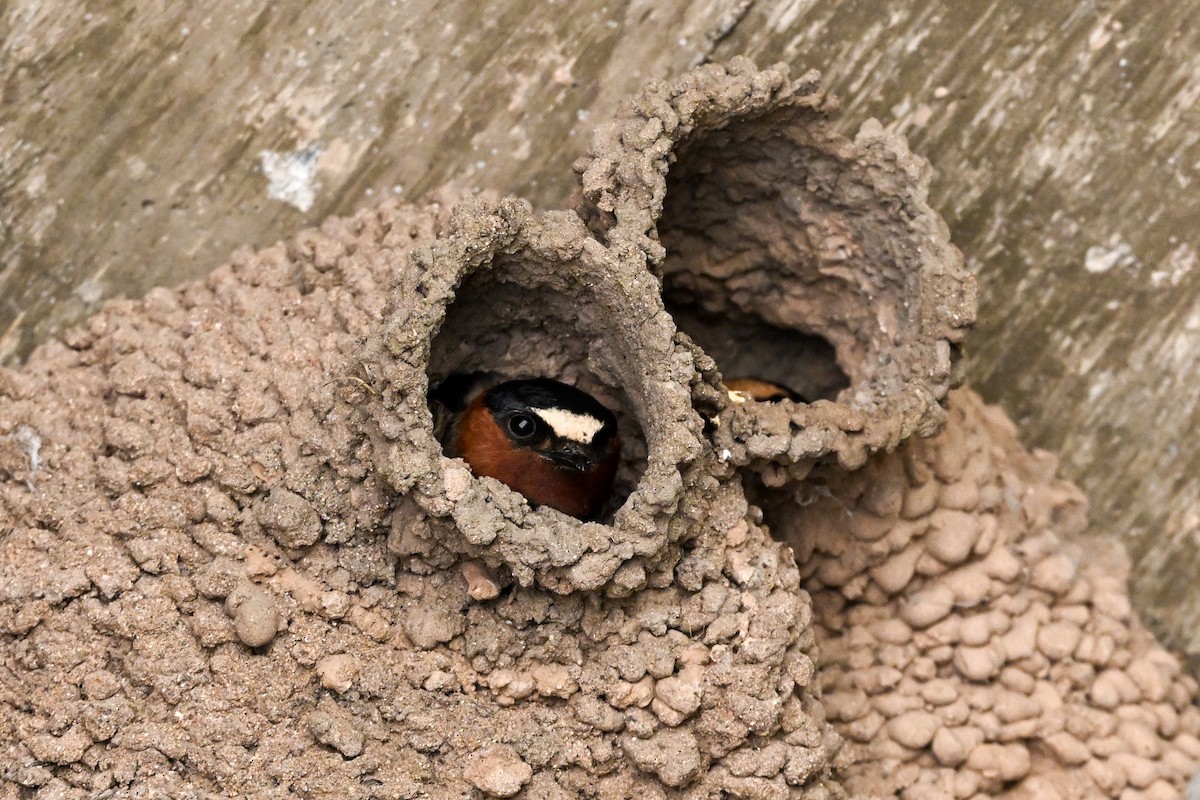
column 235, row 559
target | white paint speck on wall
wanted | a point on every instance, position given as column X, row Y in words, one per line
column 291, row 176
column 1103, row 257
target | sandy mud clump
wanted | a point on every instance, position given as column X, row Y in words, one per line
column 208, row 588
column 972, row 642
column 234, row 560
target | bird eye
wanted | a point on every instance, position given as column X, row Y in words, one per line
column 522, row 426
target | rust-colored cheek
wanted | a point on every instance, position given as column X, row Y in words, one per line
column 489, row 452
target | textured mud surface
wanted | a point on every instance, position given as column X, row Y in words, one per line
column 969, row 644
column 233, row 560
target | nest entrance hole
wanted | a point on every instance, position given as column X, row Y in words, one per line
column 762, row 266
column 744, row 346
column 510, row 329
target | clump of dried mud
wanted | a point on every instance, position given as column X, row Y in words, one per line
column 234, row 561
column 210, row 589
column 972, row 643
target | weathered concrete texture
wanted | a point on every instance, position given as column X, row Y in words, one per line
column 140, row 144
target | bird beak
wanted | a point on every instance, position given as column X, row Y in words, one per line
column 571, row 456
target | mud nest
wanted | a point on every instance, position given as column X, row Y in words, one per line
column 234, row 560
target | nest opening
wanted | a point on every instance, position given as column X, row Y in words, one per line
column 779, row 261
column 745, row 346
column 509, row 329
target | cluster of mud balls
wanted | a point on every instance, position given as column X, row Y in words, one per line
column 970, row 645
column 207, row 589
column 233, row 560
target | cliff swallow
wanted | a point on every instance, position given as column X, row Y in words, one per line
column 553, row 443
column 743, row 389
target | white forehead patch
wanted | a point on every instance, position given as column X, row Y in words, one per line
column 580, row 428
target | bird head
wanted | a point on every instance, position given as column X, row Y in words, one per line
column 553, row 443
column 558, row 422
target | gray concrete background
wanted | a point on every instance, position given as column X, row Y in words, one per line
column 140, row 143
